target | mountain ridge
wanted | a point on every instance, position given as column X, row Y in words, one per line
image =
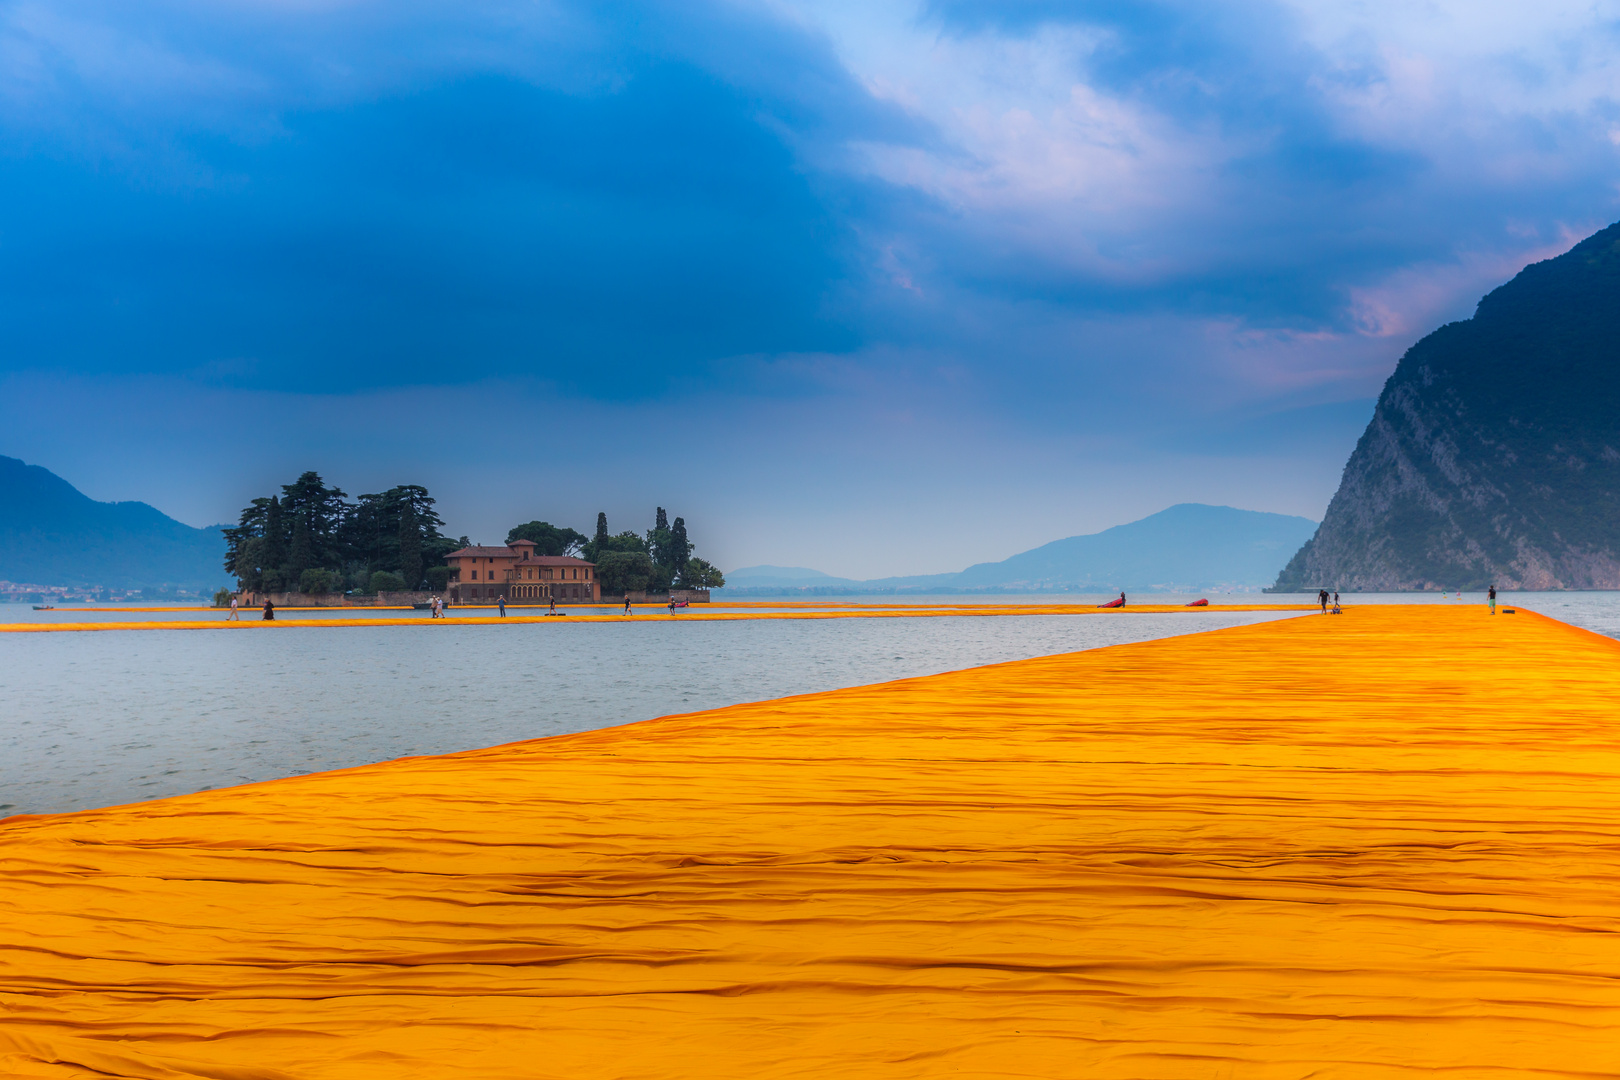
column 1186, row 547
column 53, row 534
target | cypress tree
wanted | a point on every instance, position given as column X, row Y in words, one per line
column 410, row 547
column 680, row 548
column 662, row 521
column 601, row 529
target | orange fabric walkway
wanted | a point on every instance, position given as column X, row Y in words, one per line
column 1385, row 844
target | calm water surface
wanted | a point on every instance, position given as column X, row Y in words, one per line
column 94, row 719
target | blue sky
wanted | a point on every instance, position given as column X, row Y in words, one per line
column 875, row 288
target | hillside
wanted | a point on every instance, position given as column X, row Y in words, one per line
column 1188, row 547
column 53, row 534
column 1494, row 453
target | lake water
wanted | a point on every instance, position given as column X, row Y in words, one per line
column 94, row 719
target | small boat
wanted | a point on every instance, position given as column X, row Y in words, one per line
column 680, row 603
column 44, row 607
column 1198, row 603
column 1114, row 603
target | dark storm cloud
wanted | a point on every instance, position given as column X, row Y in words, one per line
column 981, row 251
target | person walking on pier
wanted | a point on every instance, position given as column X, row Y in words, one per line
column 1492, row 597
column 553, row 609
column 236, row 613
column 627, row 610
column 1321, row 598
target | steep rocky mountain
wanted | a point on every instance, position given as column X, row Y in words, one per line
column 53, row 534
column 1494, row 453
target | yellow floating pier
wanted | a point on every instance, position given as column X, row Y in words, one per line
column 1385, row 844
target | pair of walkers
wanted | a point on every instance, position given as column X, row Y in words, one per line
column 1323, row 597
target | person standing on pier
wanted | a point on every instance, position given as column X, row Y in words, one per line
column 269, row 610
column 1492, row 597
column 501, row 603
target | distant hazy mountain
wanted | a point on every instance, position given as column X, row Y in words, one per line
column 1494, row 453
column 791, row 577
column 1187, row 548
column 53, row 534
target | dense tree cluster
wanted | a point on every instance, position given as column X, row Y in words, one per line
column 628, row 562
column 311, row 538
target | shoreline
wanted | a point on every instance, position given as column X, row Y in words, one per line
column 649, row 613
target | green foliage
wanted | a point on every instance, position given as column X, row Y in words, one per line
column 680, row 548
column 667, row 549
column 701, row 574
column 317, row 581
column 549, row 539
column 275, row 536
column 302, row 550
column 316, row 513
column 387, row 581
column 311, row 526
column 624, row 542
column 222, row 598
column 410, row 547
column 624, row 571
column 437, row 577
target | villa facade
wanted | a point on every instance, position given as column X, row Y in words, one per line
column 483, row 575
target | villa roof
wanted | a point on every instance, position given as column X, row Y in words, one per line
column 522, row 555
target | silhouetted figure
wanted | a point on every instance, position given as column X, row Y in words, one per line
column 269, row 610
column 1322, row 598
column 501, row 603
column 1492, row 596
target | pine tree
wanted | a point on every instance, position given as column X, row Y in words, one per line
column 410, row 547
column 301, row 556
column 275, row 537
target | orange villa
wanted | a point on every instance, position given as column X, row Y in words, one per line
column 485, row 574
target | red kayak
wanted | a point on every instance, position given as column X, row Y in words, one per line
column 1114, row 603
column 1199, row 603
